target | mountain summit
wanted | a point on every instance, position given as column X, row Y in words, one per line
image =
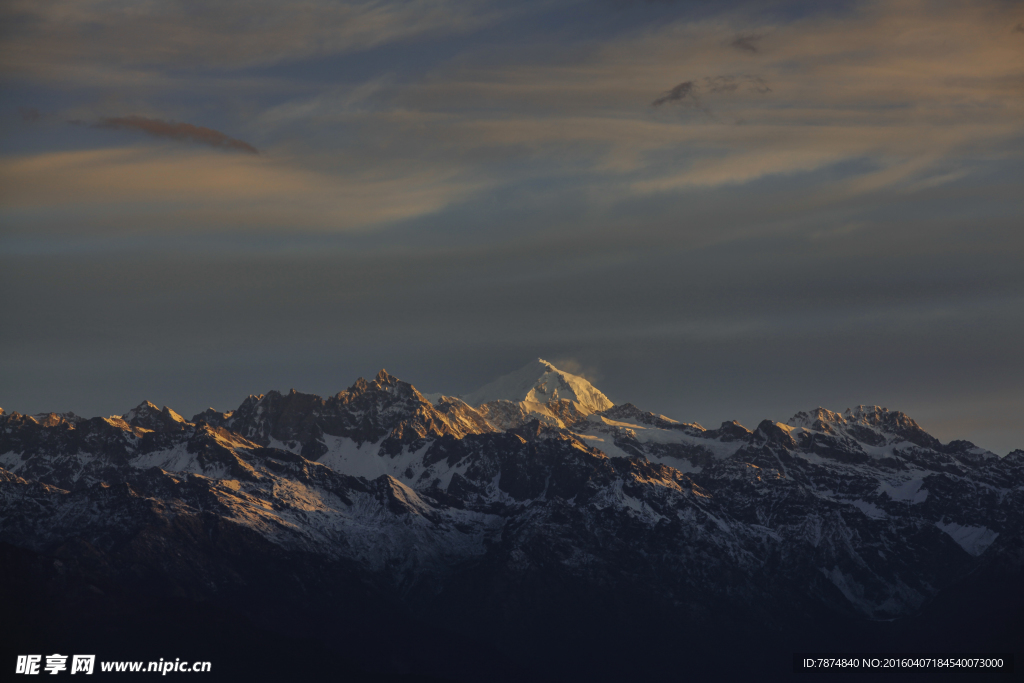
column 540, row 382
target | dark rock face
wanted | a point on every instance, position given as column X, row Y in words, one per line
column 558, row 552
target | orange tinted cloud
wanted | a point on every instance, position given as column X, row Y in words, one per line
column 96, row 41
column 121, row 189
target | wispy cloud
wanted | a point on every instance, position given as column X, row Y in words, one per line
column 64, row 39
column 715, row 84
column 904, row 91
column 172, row 130
column 572, row 365
column 188, row 189
column 920, row 82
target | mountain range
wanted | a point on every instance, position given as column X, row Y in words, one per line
column 529, row 530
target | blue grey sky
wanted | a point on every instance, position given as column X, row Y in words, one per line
column 715, row 211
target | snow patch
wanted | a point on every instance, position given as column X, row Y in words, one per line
column 974, row 539
column 869, row 509
column 909, row 491
column 364, row 460
column 290, row 446
column 10, row 461
column 177, row 459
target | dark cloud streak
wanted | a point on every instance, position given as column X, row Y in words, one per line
column 687, row 90
column 678, row 94
column 747, row 43
column 172, row 130
column 757, row 84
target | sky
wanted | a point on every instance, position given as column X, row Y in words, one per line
column 712, row 210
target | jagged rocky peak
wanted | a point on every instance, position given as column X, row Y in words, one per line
column 877, row 416
column 385, row 379
column 540, row 382
column 212, row 416
column 628, row 411
column 775, row 432
column 822, row 419
column 893, row 423
column 386, row 382
column 42, row 419
column 729, row 431
column 54, row 419
column 875, row 426
column 819, row 419
column 370, row 411
column 245, row 410
column 147, row 416
column 965, row 450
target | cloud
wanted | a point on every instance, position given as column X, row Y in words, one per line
column 897, row 86
column 97, row 40
column 679, row 93
column 923, row 85
column 716, row 84
column 686, row 92
column 573, row 366
column 897, row 156
column 1019, row 28
column 145, row 189
column 30, row 114
column 721, row 83
column 747, row 43
column 171, row 130
column 757, row 84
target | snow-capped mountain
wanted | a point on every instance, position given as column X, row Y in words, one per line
column 537, row 391
column 540, row 382
column 528, row 509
